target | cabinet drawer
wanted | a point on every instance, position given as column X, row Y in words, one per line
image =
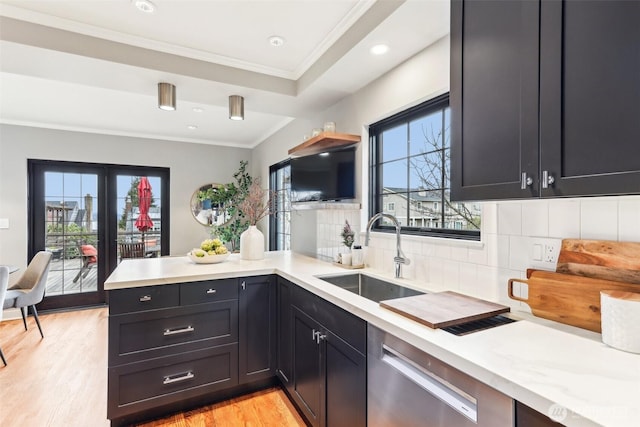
column 137, row 336
column 144, row 298
column 148, row 384
column 208, row 291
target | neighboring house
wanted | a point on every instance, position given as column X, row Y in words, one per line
column 426, row 209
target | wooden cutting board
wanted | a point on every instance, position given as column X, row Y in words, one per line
column 442, row 309
column 601, row 259
column 567, row 298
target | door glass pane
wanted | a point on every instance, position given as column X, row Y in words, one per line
column 71, row 232
column 139, row 216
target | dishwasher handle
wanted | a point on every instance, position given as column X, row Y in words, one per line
column 430, row 382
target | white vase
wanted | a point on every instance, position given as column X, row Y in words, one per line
column 252, row 244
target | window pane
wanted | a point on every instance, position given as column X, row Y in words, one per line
column 425, row 171
column 394, row 175
column 412, row 179
column 394, row 204
column 394, row 143
column 426, row 133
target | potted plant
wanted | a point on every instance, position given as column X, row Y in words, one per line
column 254, row 206
column 347, row 235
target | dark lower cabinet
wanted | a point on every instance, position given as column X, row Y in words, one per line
column 328, row 373
column 257, row 328
column 284, row 333
column 179, row 346
column 528, row 417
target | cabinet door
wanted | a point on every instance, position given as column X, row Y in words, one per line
column 284, row 365
column 346, row 384
column 257, row 323
column 494, row 99
column 308, row 388
column 590, row 96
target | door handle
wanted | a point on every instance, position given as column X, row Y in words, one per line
column 547, row 179
column 525, row 181
column 145, row 298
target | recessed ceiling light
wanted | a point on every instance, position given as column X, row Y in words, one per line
column 379, row 49
column 192, row 127
column 144, row 6
column 198, row 110
column 276, row 41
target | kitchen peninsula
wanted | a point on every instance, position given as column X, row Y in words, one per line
column 534, row 364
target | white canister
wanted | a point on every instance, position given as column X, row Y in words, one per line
column 620, row 317
column 357, row 256
column 346, row 259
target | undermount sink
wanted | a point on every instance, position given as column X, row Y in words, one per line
column 369, row 287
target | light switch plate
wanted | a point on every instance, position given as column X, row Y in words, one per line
column 4, row 223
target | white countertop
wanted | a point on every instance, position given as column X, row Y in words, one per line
column 536, row 362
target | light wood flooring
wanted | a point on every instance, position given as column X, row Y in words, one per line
column 61, row 380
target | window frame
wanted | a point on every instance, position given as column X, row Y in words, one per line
column 274, row 222
column 375, row 163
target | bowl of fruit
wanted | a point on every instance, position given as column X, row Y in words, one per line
column 211, row 251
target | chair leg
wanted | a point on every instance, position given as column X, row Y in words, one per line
column 2, row 357
column 35, row 314
column 23, row 311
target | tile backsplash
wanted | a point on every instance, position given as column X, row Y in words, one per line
column 510, row 232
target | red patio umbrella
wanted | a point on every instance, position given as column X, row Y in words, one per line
column 144, row 223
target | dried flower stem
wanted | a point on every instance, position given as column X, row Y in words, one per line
column 254, row 206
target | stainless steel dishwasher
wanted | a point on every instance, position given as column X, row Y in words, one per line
column 407, row 387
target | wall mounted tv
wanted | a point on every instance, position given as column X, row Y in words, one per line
column 324, row 176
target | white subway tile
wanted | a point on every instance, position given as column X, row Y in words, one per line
column 442, row 250
column 468, row 279
column 436, row 272
column 535, row 218
column 451, row 275
column 629, row 220
column 564, row 219
column 479, row 255
column 489, row 223
column 599, row 219
column 487, row 282
column 520, row 252
column 510, row 218
column 459, row 253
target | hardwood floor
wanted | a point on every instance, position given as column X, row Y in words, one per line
column 61, row 380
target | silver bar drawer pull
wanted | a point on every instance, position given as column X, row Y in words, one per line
column 211, row 291
column 177, row 378
column 145, row 298
column 177, row 331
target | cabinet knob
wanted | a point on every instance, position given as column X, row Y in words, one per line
column 211, row 291
column 525, row 181
column 547, row 179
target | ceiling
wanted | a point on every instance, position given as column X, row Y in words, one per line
column 94, row 65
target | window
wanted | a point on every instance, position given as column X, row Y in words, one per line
column 410, row 157
column 280, row 220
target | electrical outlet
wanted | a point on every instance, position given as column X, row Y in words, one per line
column 550, row 254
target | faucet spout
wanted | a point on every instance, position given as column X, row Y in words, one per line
column 400, row 257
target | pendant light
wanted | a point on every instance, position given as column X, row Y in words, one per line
column 236, row 107
column 166, row 96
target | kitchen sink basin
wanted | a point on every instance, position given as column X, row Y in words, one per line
column 370, row 287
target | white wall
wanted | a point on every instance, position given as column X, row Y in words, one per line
column 509, row 229
column 191, row 166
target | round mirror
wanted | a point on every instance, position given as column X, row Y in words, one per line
column 208, row 204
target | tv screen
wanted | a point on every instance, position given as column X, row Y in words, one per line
column 324, row 176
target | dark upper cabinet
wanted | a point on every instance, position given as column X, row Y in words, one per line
column 545, row 98
column 590, row 97
column 494, row 99
column 257, row 328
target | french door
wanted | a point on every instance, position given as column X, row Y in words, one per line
column 83, row 214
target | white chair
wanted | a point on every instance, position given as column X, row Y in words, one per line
column 4, row 282
column 29, row 289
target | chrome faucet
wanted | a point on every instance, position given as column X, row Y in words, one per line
column 400, row 257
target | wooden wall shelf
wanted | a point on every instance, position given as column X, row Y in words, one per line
column 323, row 142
